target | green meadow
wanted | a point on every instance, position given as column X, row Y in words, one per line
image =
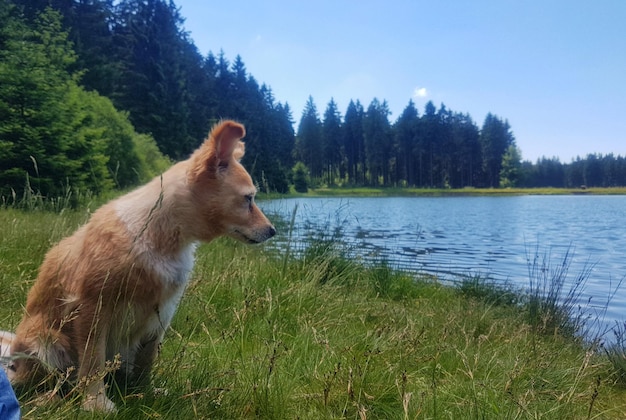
column 317, row 335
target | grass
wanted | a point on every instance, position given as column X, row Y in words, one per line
column 551, row 307
column 318, row 336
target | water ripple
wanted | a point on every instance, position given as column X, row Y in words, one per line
column 454, row 237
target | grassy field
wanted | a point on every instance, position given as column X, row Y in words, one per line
column 263, row 335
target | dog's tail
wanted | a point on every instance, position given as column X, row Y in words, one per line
column 6, row 338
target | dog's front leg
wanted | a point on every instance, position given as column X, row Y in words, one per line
column 91, row 370
column 145, row 358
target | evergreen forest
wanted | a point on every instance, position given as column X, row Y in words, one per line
column 103, row 94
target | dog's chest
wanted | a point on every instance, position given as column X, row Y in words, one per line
column 171, row 270
column 172, row 273
column 165, row 267
column 148, row 318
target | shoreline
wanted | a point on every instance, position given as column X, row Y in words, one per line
column 443, row 192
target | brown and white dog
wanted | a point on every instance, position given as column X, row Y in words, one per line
column 113, row 286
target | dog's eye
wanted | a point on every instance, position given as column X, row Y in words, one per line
column 249, row 200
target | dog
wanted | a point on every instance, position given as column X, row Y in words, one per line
column 111, row 289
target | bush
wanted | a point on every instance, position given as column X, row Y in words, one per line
column 489, row 291
column 301, row 177
column 151, row 161
column 274, row 179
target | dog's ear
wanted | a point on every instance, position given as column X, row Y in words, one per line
column 239, row 151
column 225, row 137
column 218, row 150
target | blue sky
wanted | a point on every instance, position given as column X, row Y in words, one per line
column 556, row 70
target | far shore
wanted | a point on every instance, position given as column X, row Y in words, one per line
column 444, row 192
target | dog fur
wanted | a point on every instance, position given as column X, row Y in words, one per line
column 113, row 287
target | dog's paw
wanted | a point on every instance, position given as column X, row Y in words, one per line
column 100, row 403
column 6, row 339
column 47, row 398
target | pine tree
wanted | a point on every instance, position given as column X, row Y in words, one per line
column 405, row 131
column 444, row 148
column 89, row 27
column 495, row 138
column 592, row 170
column 155, row 84
column 34, row 85
column 353, row 143
column 284, row 135
column 309, row 139
column 377, row 137
column 331, row 142
column 511, row 171
column 465, row 151
column 55, row 135
column 428, row 144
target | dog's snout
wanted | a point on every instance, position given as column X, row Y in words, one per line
column 272, row 231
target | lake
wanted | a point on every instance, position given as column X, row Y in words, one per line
column 494, row 237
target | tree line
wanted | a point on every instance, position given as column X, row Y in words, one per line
column 98, row 94
column 594, row 170
column 438, row 149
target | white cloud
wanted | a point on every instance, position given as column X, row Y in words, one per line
column 256, row 41
column 420, row 92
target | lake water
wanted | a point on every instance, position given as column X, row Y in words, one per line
column 454, row 237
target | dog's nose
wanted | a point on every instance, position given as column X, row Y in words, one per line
column 272, row 231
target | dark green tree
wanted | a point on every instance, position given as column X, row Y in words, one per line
column 428, row 145
column 284, row 135
column 511, row 171
column 405, row 131
column 465, row 150
column 573, row 173
column 301, row 177
column 34, row 85
column 224, row 86
column 548, row 172
column 54, row 135
column 331, row 143
column 495, row 139
column 610, row 170
column 444, row 148
column 88, row 24
column 199, row 96
column 154, row 86
column 309, row 139
column 207, row 97
column 378, row 142
column 592, row 170
column 230, row 92
column 354, row 143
